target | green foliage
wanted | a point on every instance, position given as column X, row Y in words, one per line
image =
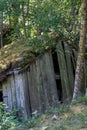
column 60, row 110
column 68, row 118
column 57, row 16
column 82, row 99
column 8, row 119
column 33, row 122
column 27, row 17
column 72, row 117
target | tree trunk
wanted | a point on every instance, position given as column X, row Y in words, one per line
column 1, row 27
column 80, row 59
column 24, row 20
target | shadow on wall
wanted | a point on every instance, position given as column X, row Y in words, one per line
column 1, row 96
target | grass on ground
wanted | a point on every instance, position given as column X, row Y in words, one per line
column 70, row 117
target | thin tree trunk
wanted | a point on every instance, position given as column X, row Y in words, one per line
column 80, row 59
column 24, row 20
column 1, row 27
column 27, row 16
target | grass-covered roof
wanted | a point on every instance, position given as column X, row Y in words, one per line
column 15, row 54
column 20, row 53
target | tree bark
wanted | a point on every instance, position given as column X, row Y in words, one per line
column 81, row 52
column 1, row 27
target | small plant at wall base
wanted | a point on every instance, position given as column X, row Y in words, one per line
column 7, row 119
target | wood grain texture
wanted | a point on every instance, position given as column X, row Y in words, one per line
column 63, row 71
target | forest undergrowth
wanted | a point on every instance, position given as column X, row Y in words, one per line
column 67, row 117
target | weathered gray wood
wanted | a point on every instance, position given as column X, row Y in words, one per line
column 39, row 79
column 36, row 88
column 33, row 88
column 49, row 80
column 5, row 94
column 9, row 93
column 21, row 95
column 29, row 87
column 18, row 84
column 63, row 71
column 13, row 91
column 69, row 66
column 38, row 84
column 25, row 91
column 42, row 84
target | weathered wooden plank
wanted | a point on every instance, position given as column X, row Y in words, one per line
column 63, row 71
column 25, row 91
column 69, row 68
column 36, row 87
column 13, row 92
column 29, row 87
column 9, row 93
column 23, row 98
column 21, row 95
column 49, row 80
column 44, row 84
column 5, row 95
column 53, row 82
column 33, row 88
column 39, row 84
column 18, row 83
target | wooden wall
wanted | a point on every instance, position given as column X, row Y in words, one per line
column 32, row 90
column 64, row 55
column 35, row 89
column 15, row 94
column 42, row 85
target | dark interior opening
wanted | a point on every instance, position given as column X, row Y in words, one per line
column 1, row 96
column 57, row 76
column 59, row 90
column 55, row 63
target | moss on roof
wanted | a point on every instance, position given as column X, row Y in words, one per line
column 15, row 54
column 18, row 53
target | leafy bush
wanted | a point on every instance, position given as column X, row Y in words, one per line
column 8, row 120
column 82, row 99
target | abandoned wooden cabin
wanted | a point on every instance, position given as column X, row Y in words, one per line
column 41, row 84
